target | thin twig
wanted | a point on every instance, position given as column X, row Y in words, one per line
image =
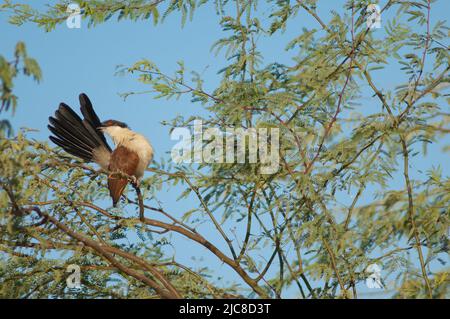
column 411, row 216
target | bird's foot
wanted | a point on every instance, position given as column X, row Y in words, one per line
column 134, row 181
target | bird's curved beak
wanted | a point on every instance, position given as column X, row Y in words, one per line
column 103, row 126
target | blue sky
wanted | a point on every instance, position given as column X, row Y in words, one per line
column 84, row 60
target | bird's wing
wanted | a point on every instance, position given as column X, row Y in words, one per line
column 125, row 161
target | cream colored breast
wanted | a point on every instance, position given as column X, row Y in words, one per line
column 143, row 148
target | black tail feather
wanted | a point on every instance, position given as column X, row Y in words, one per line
column 89, row 114
column 68, row 148
column 69, row 114
column 61, row 130
column 79, row 137
column 94, row 133
column 72, row 121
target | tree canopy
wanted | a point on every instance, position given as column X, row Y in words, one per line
column 285, row 234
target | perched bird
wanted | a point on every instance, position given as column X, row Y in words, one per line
column 84, row 138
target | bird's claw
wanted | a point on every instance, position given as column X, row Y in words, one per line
column 134, row 181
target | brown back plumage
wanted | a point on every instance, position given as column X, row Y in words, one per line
column 125, row 161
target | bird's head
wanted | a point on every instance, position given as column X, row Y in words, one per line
column 114, row 123
column 115, row 129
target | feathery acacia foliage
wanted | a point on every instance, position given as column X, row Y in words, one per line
column 292, row 229
column 10, row 69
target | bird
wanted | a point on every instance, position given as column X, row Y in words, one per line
column 85, row 139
